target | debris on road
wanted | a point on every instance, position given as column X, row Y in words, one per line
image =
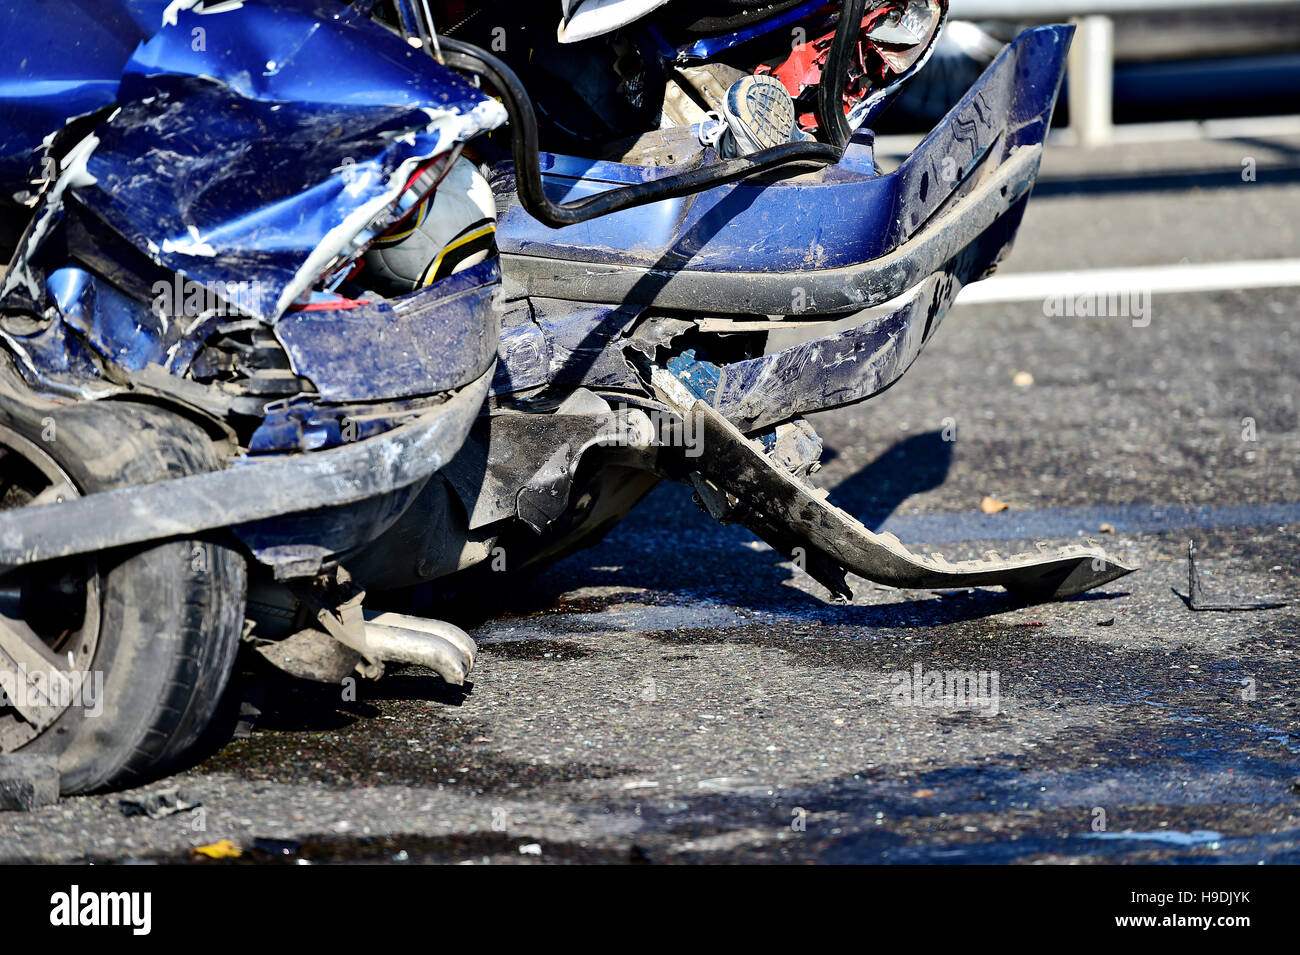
column 276, row 847
column 158, row 804
column 734, row 784
column 1197, row 599
column 221, row 849
column 28, row 781
column 991, row 505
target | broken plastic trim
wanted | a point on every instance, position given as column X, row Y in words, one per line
column 528, row 176
column 1198, row 599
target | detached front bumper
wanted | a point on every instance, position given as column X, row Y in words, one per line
column 833, row 242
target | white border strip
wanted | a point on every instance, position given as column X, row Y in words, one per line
column 1157, row 279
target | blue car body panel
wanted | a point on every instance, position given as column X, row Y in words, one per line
column 953, row 206
column 431, row 340
column 243, row 157
column 843, row 215
column 245, row 146
column 251, row 142
column 56, row 64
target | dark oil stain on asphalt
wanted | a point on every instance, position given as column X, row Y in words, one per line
column 535, row 650
column 1181, row 750
column 1178, row 750
column 307, row 732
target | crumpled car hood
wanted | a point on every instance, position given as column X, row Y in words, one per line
column 257, row 142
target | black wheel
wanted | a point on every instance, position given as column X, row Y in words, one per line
column 115, row 663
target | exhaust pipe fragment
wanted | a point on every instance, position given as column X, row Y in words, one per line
column 442, row 647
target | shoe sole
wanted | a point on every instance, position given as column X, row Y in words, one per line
column 765, row 110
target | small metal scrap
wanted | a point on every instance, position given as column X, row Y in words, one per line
column 1197, row 599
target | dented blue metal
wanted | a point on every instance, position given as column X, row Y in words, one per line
column 109, row 320
column 228, row 154
column 831, row 243
column 246, row 148
column 263, row 153
column 59, row 64
column 435, row 339
column 844, row 215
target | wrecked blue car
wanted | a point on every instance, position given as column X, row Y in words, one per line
column 308, row 302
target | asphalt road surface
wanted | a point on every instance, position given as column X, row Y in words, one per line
column 681, row 694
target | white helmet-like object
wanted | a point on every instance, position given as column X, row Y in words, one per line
column 584, row 19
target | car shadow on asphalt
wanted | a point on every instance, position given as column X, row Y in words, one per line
column 1164, row 181
column 912, row 465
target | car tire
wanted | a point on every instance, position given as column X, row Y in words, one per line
column 169, row 615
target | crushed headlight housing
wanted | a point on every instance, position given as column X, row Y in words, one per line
column 893, row 42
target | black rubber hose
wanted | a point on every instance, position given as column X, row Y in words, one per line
column 528, row 175
column 830, row 90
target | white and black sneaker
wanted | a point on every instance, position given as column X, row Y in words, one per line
column 757, row 113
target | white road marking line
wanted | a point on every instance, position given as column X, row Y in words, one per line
column 1137, row 134
column 1157, row 279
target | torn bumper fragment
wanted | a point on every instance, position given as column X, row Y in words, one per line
column 791, row 516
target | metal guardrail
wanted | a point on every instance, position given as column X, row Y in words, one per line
column 1092, row 57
